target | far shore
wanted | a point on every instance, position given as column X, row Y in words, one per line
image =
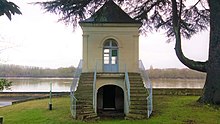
column 35, row 77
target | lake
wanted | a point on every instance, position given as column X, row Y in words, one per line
column 63, row 84
column 39, row 84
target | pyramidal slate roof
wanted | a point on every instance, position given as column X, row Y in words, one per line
column 110, row 12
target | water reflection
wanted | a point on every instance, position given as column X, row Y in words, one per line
column 63, row 84
column 3, row 103
column 39, row 84
column 178, row 83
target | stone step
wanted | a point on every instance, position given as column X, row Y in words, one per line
column 133, row 74
column 132, row 86
column 84, row 111
column 91, row 116
column 138, row 95
column 143, row 106
column 138, row 98
column 86, row 79
column 88, row 116
column 85, row 99
column 111, row 114
column 137, row 88
column 87, row 74
column 83, row 92
column 132, row 116
column 138, row 111
column 86, row 82
column 84, row 88
column 136, row 82
column 82, row 79
column 138, row 102
column 86, row 92
column 84, row 105
column 135, row 79
column 137, row 85
column 140, row 91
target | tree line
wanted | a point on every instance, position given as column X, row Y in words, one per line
column 174, row 73
column 28, row 71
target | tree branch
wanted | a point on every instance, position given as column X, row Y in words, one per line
column 195, row 65
column 196, row 3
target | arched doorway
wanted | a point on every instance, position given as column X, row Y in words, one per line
column 110, row 56
column 110, row 101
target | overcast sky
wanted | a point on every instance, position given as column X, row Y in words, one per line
column 36, row 38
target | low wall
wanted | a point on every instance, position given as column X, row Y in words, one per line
column 156, row 91
column 16, row 97
column 30, row 93
column 179, row 91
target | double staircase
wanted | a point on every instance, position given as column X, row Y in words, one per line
column 84, row 96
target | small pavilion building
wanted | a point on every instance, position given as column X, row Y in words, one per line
column 110, row 83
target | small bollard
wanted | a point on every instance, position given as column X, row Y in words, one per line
column 50, row 106
column 50, row 102
column 1, row 120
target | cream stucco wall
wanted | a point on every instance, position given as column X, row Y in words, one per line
column 127, row 37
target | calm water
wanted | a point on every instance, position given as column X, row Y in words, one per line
column 63, row 84
column 178, row 83
column 40, row 84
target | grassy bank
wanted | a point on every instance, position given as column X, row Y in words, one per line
column 167, row 110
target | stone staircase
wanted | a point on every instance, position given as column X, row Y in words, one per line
column 138, row 95
column 84, row 96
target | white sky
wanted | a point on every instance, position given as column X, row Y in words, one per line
column 36, row 38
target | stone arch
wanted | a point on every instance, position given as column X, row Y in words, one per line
column 110, row 97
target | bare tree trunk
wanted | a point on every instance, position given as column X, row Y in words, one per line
column 195, row 65
column 211, row 90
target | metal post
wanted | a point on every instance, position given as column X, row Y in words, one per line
column 1, row 120
column 50, row 102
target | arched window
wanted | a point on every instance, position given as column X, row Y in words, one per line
column 110, row 55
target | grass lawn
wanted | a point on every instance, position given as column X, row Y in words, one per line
column 167, row 110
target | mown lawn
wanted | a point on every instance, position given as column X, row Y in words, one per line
column 167, row 110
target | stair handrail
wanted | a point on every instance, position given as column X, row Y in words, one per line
column 73, row 88
column 127, row 85
column 94, row 88
column 148, row 86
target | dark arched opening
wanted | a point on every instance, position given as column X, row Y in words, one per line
column 110, row 101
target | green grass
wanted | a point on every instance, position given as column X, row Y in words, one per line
column 167, row 110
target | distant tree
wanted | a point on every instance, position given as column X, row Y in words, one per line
column 173, row 16
column 151, row 67
column 5, row 84
column 8, row 8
